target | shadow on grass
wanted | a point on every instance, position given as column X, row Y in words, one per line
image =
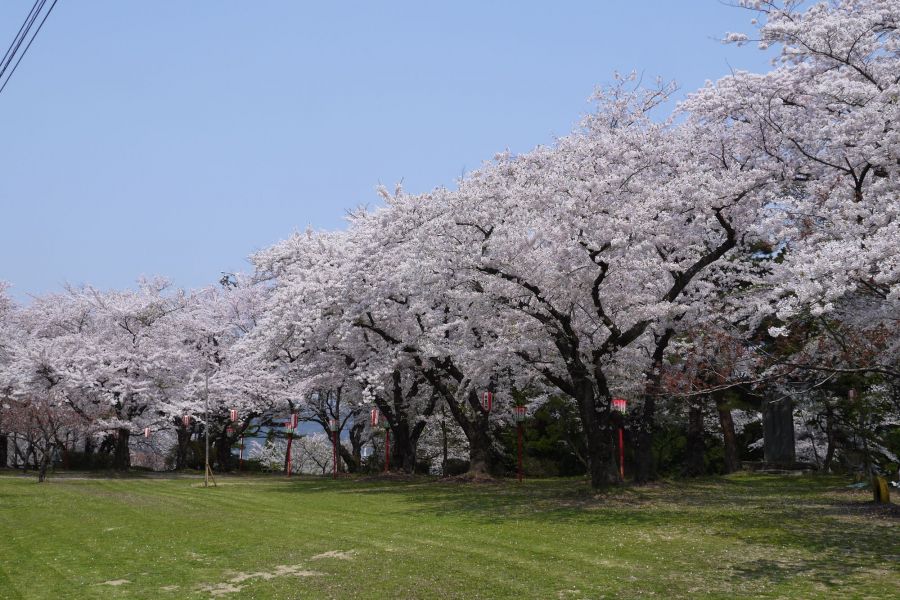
column 810, row 527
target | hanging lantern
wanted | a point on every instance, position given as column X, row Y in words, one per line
column 620, row 405
column 487, row 401
column 294, row 421
column 146, row 432
column 332, row 425
column 519, row 414
column 375, row 417
column 233, row 415
column 186, row 420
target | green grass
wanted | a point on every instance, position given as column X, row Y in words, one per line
column 741, row 536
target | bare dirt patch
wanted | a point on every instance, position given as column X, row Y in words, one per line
column 338, row 554
column 220, row 589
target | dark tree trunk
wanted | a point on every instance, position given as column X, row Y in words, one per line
column 600, row 444
column 347, row 457
column 354, row 460
column 778, row 433
column 695, row 463
column 482, row 456
column 223, row 452
column 732, row 461
column 829, row 434
column 42, row 468
column 4, row 445
column 183, row 442
column 444, row 447
column 644, row 459
column 122, row 456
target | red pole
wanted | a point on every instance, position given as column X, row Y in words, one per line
column 290, row 442
column 334, row 449
column 621, row 454
column 387, row 450
column 520, row 452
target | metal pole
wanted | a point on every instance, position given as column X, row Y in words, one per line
column 520, row 451
column 241, row 455
column 387, row 450
column 206, row 429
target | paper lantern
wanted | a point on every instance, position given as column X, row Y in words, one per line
column 519, row 414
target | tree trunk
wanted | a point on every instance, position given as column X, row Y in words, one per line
column 695, row 464
column 829, row 434
column 4, row 445
column 45, row 462
column 349, row 460
column 183, row 441
column 445, row 448
column 223, row 452
column 122, row 456
column 481, row 461
column 732, row 461
column 600, row 444
column 645, row 461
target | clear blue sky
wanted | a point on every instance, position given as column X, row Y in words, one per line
column 175, row 138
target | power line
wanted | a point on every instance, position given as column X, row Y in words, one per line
column 28, row 45
column 20, row 34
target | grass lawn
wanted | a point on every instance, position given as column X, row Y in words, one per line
column 265, row 537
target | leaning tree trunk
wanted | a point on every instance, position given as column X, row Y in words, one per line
column 732, row 461
column 695, row 464
column 122, row 455
column 349, row 459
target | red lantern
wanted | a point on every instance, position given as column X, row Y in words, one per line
column 186, row 420
column 487, row 401
column 519, row 414
column 374, row 415
column 146, row 432
column 233, row 415
column 620, row 404
column 332, row 424
column 294, row 421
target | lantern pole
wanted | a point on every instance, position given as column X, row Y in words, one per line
column 621, row 454
column 288, row 466
column 387, row 449
column 519, row 416
column 620, row 406
column 520, row 451
column 208, row 470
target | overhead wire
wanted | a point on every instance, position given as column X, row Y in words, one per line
column 28, row 45
column 23, row 28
